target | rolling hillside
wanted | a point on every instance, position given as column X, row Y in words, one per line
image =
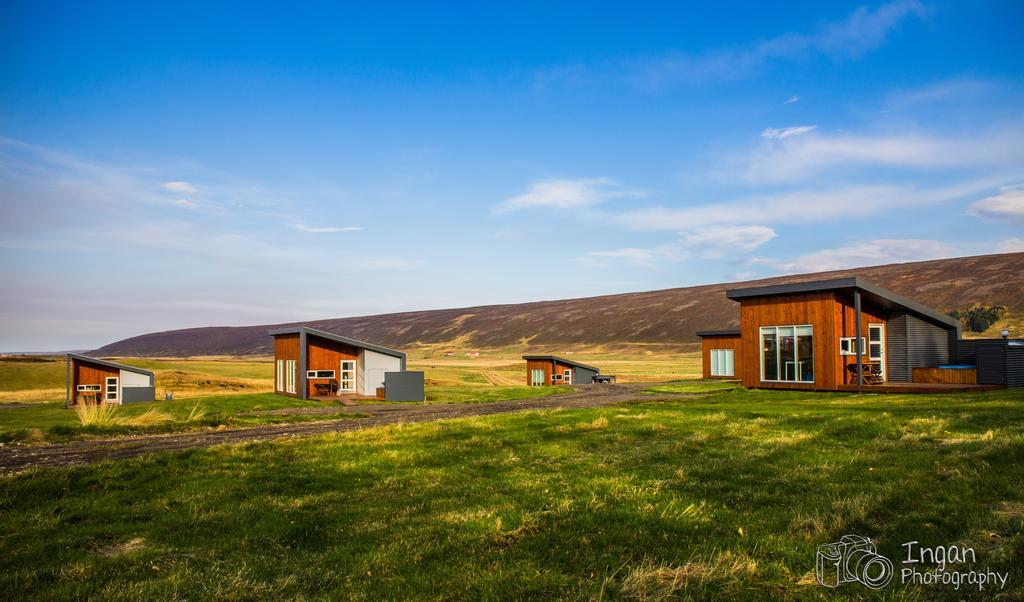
column 670, row 316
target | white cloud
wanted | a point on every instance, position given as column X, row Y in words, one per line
column 783, row 133
column 326, row 229
column 860, row 32
column 795, row 158
column 957, row 88
column 566, row 194
column 711, row 243
column 187, row 204
column 791, row 100
column 1007, row 205
column 180, row 187
column 644, row 256
column 803, row 206
column 719, row 241
column 1011, row 245
column 863, row 253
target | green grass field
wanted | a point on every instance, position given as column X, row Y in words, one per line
column 726, row 494
column 51, row 422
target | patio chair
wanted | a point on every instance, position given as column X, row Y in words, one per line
column 872, row 374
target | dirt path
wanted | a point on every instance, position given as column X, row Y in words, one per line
column 498, row 380
column 18, row 458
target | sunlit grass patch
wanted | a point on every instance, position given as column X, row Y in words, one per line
column 931, row 427
column 651, row 581
column 695, row 386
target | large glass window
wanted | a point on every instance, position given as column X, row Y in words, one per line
column 722, row 362
column 536, row 377
column 769, row 354
column 787, row 353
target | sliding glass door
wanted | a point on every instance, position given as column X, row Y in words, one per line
column 787, row 354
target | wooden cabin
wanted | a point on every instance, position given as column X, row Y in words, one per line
column 550, row 370
column 834, row 335
column 92, row 380
column 720, row 353
column 311, row 363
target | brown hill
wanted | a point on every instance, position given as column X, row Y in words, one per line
column 670, row 316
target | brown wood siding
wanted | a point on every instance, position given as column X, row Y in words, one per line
column 324, row 354
column 546, row 365
column 721, row 342
column 960, row 376
column 832, row 316
column 846, row 325
column 86, row 373
column 286, row 347
column 815, row 309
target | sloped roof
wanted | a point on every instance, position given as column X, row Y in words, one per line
column 330, row 336
column 874, row 293
column 730, row 332
column 109, row 364
column 560, row 360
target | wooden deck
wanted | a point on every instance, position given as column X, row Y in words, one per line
column 920, row 388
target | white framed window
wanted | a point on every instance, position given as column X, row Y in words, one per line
column 557, row 377
column 347, row 383
column 536, row 377
column 846, row 346
column 787, row 353
column 722, row 362
column 111, row 389
column 280, row 375
column 289, row 376
column 313, row 374
column 876, row 345
column 88, row 388
column 568, row 377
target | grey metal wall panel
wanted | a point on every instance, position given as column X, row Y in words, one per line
column 911, row 342
column 990, row 365
column 137, row 394
column 583, row 376
column 404, row 386
column 927, row 344
column 897, row 369
column 967, row 352
column 1015, row 366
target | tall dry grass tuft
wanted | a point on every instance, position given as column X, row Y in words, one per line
column 198, row 413
column 96, row 414
column 105, row 414
column 151, row 417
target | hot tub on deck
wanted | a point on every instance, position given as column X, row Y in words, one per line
column 951, row 374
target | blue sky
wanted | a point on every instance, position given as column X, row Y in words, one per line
column 178, row 166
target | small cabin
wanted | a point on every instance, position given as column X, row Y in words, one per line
column 846, row 334
column 92, row 380
column 315, row 364
column 550, row 370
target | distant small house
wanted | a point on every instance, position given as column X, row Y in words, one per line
column 92, row 380
column 550, row 370
column 449, row 353
column 473, row 353
column 315, row 363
